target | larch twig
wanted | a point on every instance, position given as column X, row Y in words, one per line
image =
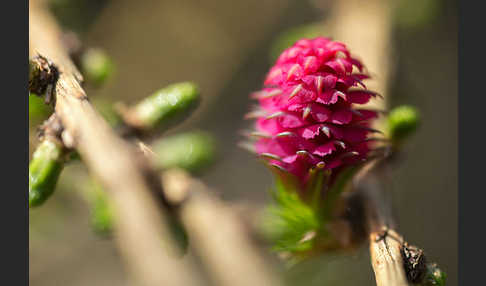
column 142, row 232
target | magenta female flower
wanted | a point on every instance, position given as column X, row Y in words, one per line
column 307, row 117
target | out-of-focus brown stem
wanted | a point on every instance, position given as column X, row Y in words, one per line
column 385, row 242
column 142, row 231
column 365, row 27
column 386, row 258
column 216, row 234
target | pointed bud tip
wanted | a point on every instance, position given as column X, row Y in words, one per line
column 296, row 90
column 274, row 115
column 302, row 153
column 270, row 156
column 326, row 131
column 321, row 165
column 285, row 134
column 306, row 112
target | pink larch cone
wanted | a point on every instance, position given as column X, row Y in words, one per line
column 307, row 116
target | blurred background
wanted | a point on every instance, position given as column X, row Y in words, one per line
column 227, row 47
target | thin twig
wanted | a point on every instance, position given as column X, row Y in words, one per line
column 386, row 258
column 142, row 231
column 385, row 242
column 365, row 26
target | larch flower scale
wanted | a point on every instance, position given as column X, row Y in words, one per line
column 307, row 117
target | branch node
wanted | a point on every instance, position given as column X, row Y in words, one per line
column 51, row 129
column 43, row 75
column 414, row 262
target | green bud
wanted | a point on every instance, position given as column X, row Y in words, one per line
column 191, row 151
column 38, row 110
column 402, row 122
column 96, row 66
column 101, row 213
column 44, row 171
column 434, row 276
column 101, row 216
column 167, row 106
